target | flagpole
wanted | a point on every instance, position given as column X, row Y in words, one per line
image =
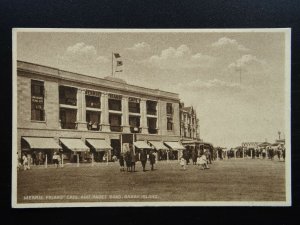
column 112, row 64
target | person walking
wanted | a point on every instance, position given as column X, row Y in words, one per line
column 183, row 163
column 127, row 158
column 25, row 162
column 152, row 160
column 143, row 158
column 133, row 160
column 121, row 162
column 202, row 162
column 194, row 157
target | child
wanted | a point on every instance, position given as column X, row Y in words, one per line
column 183, row 163
column 25, row 162
column 55, row 159
column 121, row 161
column 202, row 162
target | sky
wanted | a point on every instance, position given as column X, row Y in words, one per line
column 234, row 80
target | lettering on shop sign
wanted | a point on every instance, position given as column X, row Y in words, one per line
column 114, row 96
column 92, row 93
column 136, row 100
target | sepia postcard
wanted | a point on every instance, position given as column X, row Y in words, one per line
column 151, row 117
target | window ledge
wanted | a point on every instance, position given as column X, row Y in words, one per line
column 38, row 121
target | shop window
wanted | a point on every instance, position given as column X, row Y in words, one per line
column 151, row 107
column 37, row 100
column 169, row 124
column 169, row 108
column 68, row 118
column 92, row 101
column 93, row 120
column 114, row 104
column 67, row 95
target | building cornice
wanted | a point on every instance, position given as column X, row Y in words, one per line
column 56, row 73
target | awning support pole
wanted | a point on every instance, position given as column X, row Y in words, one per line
column 29, row 160
column 62, row 160
column 46, row 161
column 92, row 159
column 107, row 157
column 167, row 156
column 77, row 159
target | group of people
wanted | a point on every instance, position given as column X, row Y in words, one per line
column 24, row 162
column 202, row 160
column 258, row 153
column 130, row 158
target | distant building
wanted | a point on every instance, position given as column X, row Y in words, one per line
column 251, row 144
column 189, row 123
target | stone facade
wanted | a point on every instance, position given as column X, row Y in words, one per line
column 51, row 125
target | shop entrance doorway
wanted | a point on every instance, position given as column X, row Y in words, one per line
column 116, row 147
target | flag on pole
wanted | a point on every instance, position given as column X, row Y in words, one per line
column 117, row 55
column 119, row 63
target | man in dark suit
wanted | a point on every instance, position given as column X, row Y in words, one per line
column 152, row 160
column 143, row 158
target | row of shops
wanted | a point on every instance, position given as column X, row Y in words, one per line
column 40, row 150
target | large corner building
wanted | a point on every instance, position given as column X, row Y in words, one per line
column 77, row 113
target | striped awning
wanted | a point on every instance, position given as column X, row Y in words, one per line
column 174, row 145
column 41, row 143
column 75, row 145
column 99, row 144
column 158, row 145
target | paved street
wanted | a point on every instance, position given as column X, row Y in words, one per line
column 227, row 180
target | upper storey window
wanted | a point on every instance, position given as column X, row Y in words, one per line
column 134, row 105
column 114, row 102
column 151, row 107
column 92, row 99
column 169, row 109
column 67, row 95
column 37, row 100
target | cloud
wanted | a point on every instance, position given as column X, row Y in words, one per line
column 83, row 58
column 227, row 42
column 199, row 85
column 140, row 47
column 84, row 54
column 247, row 61
column 181, row 57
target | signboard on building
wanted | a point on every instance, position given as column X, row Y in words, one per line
column 114, row 96
column 93, row 93
column 135, row 100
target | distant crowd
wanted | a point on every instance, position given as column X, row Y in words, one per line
column 258, row 153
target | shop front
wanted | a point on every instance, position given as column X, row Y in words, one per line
column 100, row 149
column 74, row 150
column 39, row 150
